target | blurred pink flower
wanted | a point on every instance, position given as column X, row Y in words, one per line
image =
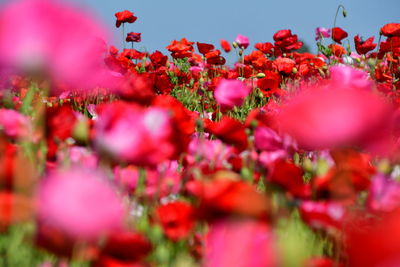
column 267, row 139
column 204, row 152
column 242, row 41
column 127, row 177
column 319, row 119
column 135, row 135
column 79, row 202
column 13, row 124
column 384, row 194
column 244, row 243
column 55, row 39
column 322, row 32
column 77, row 155
column 164, row 181
column 348, row 77
column 231, row 93
column 272, row 145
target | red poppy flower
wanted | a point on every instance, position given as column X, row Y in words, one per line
column 225, row 46
column 123, row 17
column 391, row 29
column 363, row 47
column 181, row 49
column 322, row 262
column 133, row 37
column 214, row 58
column 338, row 34
column 132, row 54
column 337, row 50
column 290, row 177
column 230, row 131
column 137, row 88
column 351, row 174
column 270, row 83
column 14, row 208
column 177, row 219
column 184, row 121
column 284, row 64
column 158, row 59
column 282, row 34
column 224, row 197
column 204, row 48
column 7, row 164
column 126, row 246
column 266, row 48
column 373, row 240
column 392, row 44
column 60, row 122
column 322, row 215
column 286, row 41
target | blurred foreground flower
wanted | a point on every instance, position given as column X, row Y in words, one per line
column 80, row 203
column 335, row 117
column 132, row 134
column 243, row 243
column 53, row 39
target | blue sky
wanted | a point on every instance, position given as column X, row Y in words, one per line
column 161, row 21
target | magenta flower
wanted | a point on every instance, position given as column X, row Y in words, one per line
column 164, row 181
column 203, row 152
column 135, row 135
column 322, row 32
column 13, row 124
column 272, row 145
column 349, row 77
column 242, row 41
column 231, row 93
column 127, row 177
column 51, row 38
column 81, row 203
column 384, row 194
column 240, row 243
column 335, row 117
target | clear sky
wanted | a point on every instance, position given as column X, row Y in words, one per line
column 161, row 21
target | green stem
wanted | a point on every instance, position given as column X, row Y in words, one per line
column 337, row 12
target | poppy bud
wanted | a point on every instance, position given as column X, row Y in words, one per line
column 344, row 13
column 234, row 44
column 260, row 75
column 294, row 70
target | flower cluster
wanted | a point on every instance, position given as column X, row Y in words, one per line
column 136, row 158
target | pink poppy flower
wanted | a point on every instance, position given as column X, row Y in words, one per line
column 348, row 77
column 322, row 32
column 13, row 124
column 50, row 37
column 79, row 202
column 127, row 177
column 164, row 181
column 321, row 119
column 135, row 135
column 242, row 41
column 244, row 243
column 384, row 194
column 231, row 93
column 203, row 152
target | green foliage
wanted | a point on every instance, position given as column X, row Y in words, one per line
column 297, row 242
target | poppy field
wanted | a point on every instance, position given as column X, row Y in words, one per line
column 113, row 156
